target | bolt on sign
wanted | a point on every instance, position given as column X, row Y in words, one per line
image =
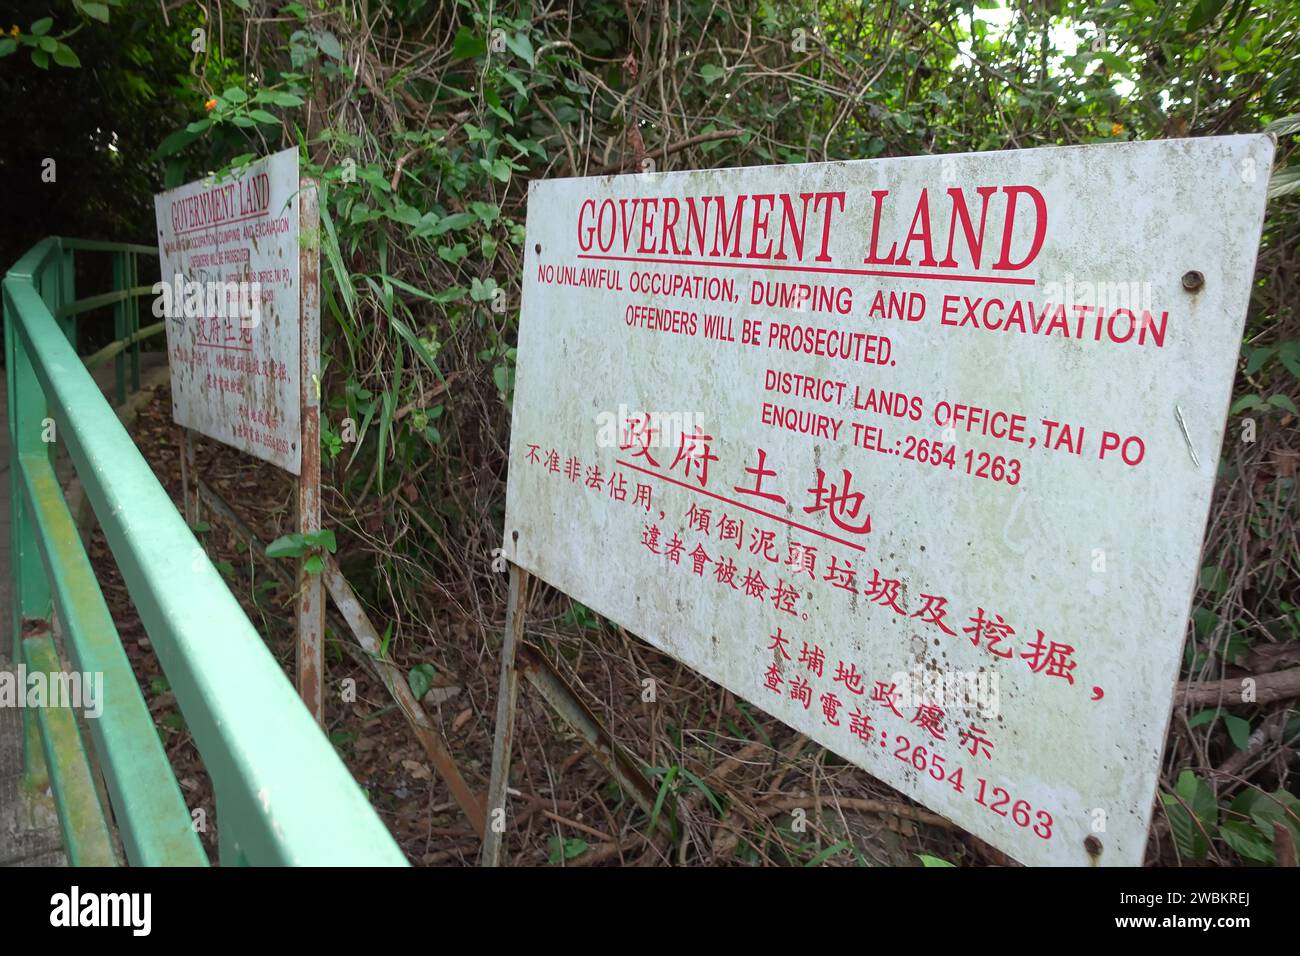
column 914, row 454
column 230, row 266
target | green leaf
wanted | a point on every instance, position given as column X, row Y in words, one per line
column 827, row 853
column 314, row 564
column 287, row 546
column 97, row 10
column 504, row 378
column 933, row 861
column 1187, row 838
column 1192, row 812
column 1267, row 809
column 1284, row 126
column 1245, row 403
column 562, row 849
column 1203, row 13
column 1114, row 62
column 7, row 46
column 1257, row 357
column 663, row 795
column 712, row 73
column 329, row 45
column 417, row 346
column 1205, row 620
column 1213, row 578
column 174, row 143
column 1284, row 402
column 41, row 26
column 64, row 56
column 704, row 788
column 322, row 539
column 342, row 277
column 41, row 59
column 467, row 45
column 521, row 46
column 387, row 409
column 1288, row 354
column 1247, row 842
column 1284, row 182
column 420, row 679
column 453, row 222
column 1238, row 730
column 234, row 95
column 262, row 116
column 454, row 254
column 281, row 98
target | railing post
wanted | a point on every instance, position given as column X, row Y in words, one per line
column 68, row 293
column 29, row 589
column 133, row 317
column 119, row 324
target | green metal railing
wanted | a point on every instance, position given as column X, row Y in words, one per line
column 282, row 794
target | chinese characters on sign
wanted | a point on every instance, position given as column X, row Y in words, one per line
column 230, row 262
column 914, row 454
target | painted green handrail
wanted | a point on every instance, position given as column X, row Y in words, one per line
column 283, row 797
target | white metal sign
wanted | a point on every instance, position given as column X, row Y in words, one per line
column 230, row 272
column 914, row 454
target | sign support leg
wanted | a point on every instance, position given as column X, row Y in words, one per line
column 311, row 594
column 189, row 478
column 507, row 696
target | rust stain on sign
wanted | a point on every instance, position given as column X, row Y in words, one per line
column 230, row 263
column 915, row 454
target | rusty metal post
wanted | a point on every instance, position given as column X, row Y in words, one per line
column 311, row 596
column 507, row 695
column 189, row 477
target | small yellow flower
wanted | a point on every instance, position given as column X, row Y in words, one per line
column 14, row 31
column 1116, row 129
column 210, row 105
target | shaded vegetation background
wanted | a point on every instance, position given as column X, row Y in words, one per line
column 426, row 120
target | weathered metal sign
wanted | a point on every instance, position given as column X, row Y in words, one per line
column 229, row 254
column 914, row 454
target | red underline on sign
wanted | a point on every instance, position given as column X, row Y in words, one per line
column 224, row 222
column 738, row 504
column 228, row 348
column 949, row 276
